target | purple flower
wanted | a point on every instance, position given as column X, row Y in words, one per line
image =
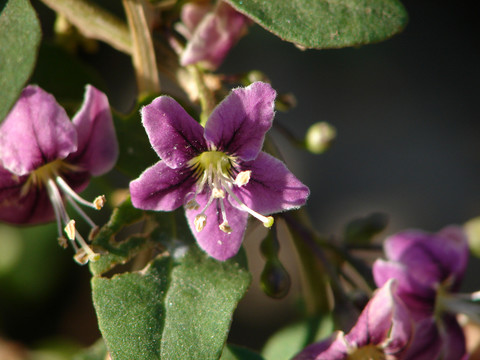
column 428, row 269
column 218, row 172
column 211, row 33
column 383, row 331
column 46, row 158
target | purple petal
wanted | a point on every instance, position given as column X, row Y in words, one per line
column 419, row 299
column 214, row 36
column 272, row 187
column 332, row 348
column 20, row 207
column 174, row 135
column 35, row 132
column 193, row 13
column 383, row 321
column 97, row 143
column 239, row 123
column 426, row 344
column 161, row 188
column 453, row 338
column 432, row 257
column 215, row 242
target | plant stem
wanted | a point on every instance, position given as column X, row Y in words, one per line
column 94, row 22
column 207, row 100
column 143, row 52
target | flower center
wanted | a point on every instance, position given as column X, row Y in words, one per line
column 368, row 352
column 49, row 175
column 219, row 172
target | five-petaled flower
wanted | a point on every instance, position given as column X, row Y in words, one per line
column 211, row 32
column 429, row 269
column 219, row 172
column 46, row 158
column 383, row 331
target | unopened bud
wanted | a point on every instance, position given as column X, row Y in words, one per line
column 275, row 280
column 319, row 137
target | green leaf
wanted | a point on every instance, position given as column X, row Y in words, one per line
column 324, row 24
column 130, row 310
column 121, row 252
column 20, row 36
column 290, row 340
column 179, row 307
column 98, row 351
column 199, row 305
column 233, row 352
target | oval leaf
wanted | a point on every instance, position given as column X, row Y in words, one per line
column 20, row 36
column 322, row 24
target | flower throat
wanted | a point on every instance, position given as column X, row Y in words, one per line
column 218, row 171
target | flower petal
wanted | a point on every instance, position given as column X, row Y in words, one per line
column 384, row 322
column 418, row 297
column 161, row 188
column 214, row 241
column 272, row 187
column 332, row 348
column 36, row 131
column 453, row 338
column 97, row 143
column 427, row 343
column 18, row 208
column 174, row 135
column 239, row 123
column 214, row 36
column 431, row 257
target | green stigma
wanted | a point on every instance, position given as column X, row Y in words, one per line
column 370, row 352
column 216, row 160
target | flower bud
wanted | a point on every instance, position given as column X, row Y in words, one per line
column 319, row 137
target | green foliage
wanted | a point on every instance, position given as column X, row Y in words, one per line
column 20, row 36
column 232, row 352
column 322, row 24
column 179, row 307
column 290, row 340
column 361, row 231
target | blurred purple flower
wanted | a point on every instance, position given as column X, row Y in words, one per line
column 383, row 331
column 46, row 158
column 428, row 269
column 219, row 172
column 211, row 32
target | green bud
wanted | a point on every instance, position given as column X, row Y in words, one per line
column 362, row 230
column 472, row 229
column 275, row 280
column 319, row 137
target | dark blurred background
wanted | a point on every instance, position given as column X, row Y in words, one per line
column 407, row 117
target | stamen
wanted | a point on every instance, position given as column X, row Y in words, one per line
column 200, row 222
column 79, row 210
column 99, row 202
column 243, row 178
column 70, row 229
column 225, row 227
column 192, row 205
column 96, row 204
column 266, row 220
column 91, row 255
column 218, row 193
